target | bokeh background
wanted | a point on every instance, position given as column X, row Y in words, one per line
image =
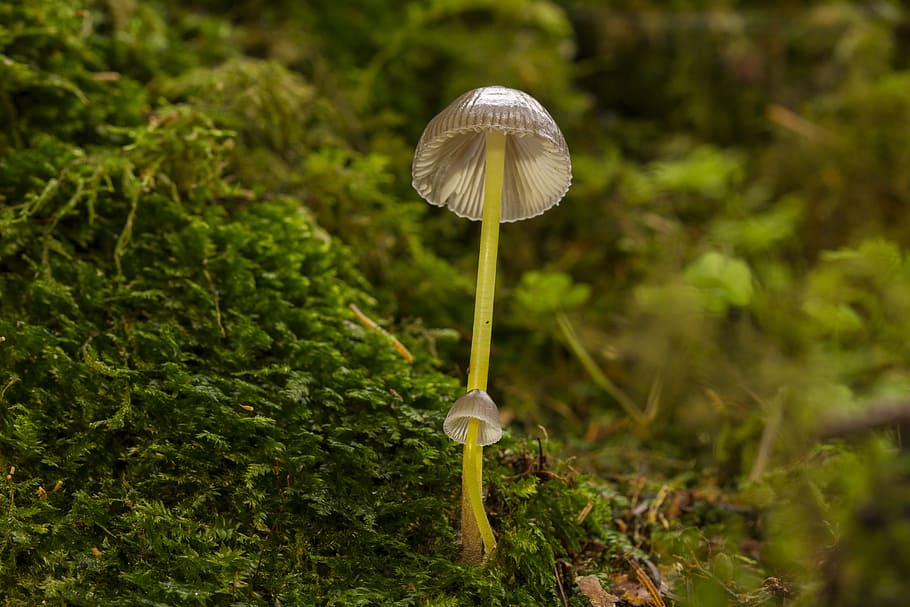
column 721, row 303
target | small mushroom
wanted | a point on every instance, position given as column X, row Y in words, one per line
column 494, row 154
column 478, row 405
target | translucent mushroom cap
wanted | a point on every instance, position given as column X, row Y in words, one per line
column 479, row 405
column 448, row 167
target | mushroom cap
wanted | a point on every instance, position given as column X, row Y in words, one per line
column 479, row 405
column 448, row 167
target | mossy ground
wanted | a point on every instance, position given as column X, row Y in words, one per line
column 191, row 413
column 192, row 196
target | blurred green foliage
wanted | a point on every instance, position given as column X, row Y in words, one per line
column 191, row 193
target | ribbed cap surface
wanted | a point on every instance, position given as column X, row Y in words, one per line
column 448, row 167
column 475, row 404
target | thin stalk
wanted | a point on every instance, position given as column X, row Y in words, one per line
column 773, row 418
column 472, row 481
column 628, row 405
column 486, row 263
column 471, row 540
column 472, row 466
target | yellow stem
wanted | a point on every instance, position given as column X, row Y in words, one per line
column 472, row 466
column 472, row 485
column 471, row 541
column 486, row 263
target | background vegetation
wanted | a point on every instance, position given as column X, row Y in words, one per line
column 702, row 352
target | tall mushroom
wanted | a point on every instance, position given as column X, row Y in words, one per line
column 494, row 154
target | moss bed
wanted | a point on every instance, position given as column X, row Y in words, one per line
column 702, row 354
column 189, row 411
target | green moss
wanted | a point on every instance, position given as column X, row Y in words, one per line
column 190, row 414
column 190, row 372
column 192, row 194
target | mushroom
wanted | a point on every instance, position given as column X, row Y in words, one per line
column 476, row 405
column 449, row 162
column 494, row 154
